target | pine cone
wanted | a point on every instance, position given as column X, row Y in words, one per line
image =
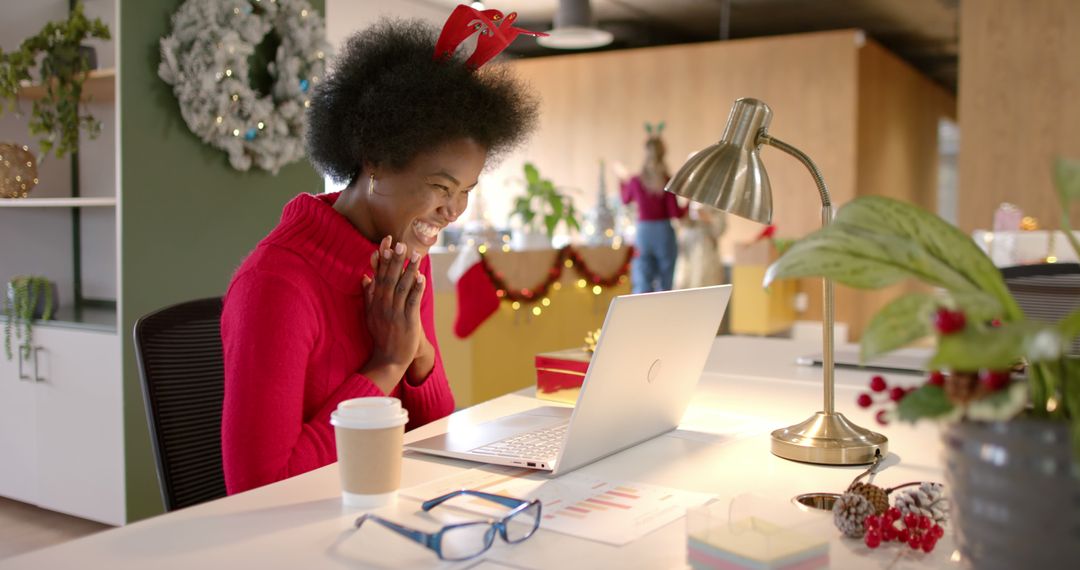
column 963, row 387
column 926, row 499
column 850, row 512
column 877, row 496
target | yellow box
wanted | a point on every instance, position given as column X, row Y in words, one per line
column 753, row 309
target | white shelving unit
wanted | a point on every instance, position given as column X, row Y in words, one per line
column 71, row 376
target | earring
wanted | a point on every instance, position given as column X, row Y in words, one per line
column 371, row 185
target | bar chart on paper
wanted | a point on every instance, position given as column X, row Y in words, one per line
column 613, row 512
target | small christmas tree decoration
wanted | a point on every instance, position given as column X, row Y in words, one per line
column 928, row 499
column 850, row 512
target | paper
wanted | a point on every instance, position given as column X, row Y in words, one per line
column 613, row 512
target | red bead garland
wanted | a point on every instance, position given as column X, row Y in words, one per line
column 554, row 274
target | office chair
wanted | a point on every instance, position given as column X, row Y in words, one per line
column 179, row 354
column 1046, row 292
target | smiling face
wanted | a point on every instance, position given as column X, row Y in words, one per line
column 413, row 204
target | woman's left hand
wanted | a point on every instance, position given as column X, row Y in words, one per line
column 423, row 359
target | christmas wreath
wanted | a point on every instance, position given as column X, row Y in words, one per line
column 252, row 109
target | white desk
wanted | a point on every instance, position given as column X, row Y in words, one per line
column 300, row 523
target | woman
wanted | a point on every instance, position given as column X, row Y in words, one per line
column 654, row 265
column 335, row 303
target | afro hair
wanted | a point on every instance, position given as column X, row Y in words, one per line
column 387, row 99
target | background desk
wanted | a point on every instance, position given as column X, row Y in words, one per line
column 300, row 523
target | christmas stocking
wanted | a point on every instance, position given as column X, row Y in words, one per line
column 476, row 295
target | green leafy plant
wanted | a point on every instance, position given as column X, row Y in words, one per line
column 22, row 298
column 543, row 204
column 980, row 330
column 55, row 117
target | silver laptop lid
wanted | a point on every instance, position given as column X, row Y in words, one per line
column 650, row 355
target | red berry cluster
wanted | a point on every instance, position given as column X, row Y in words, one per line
column 917, row 531
column 880, row 386
column 949, row 322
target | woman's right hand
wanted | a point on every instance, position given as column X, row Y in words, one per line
column 393, row 313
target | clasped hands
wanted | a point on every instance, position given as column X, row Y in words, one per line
column 392, row 298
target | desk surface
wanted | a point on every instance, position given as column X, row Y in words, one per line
column 300, row 522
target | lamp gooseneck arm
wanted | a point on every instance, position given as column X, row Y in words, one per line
column 827, row 293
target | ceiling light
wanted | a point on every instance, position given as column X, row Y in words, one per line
column 574, row 28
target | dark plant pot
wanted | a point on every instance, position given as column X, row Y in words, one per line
column 1015, row 493
column 39, row 308
column 91, row 56
column 65, row 61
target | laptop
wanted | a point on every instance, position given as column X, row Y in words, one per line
column 904, row 361
column 651, row 352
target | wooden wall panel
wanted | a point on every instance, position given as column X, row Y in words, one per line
column 897, row 141
column 867, row 119
column 594, row 107
column 1019, row 104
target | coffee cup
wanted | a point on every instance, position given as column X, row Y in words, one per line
column 369, row 433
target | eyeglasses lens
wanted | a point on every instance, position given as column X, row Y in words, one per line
column 523, row 523
column 465, row 541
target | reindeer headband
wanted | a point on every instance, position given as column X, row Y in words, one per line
column 496, row 33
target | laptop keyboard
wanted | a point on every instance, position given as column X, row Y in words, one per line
column 542, row 445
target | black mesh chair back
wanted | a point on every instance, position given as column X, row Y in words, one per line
column 183, row 380
column 1046, row 292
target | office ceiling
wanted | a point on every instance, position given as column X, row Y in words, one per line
column 923, row 32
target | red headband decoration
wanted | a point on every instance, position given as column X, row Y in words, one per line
column 496, row 33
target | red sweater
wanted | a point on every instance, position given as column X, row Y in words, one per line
column 294, row 336
column 652, row 206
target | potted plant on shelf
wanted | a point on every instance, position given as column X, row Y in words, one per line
column 28, row 297
column 1004, row 385
column 544, row 206
column 56, row 116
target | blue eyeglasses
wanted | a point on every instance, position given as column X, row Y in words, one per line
column 463, row 541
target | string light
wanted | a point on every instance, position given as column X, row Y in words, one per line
column 482, row 249
column 536, row 311
column 597, row 289
column 516, row 305
column 545, row 302
column 581, row 283
column 556, row 285
column 568, row 263
column 506, row 247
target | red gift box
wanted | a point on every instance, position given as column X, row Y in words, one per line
column 559, row 374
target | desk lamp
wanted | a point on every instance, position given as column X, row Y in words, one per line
column 729, row 175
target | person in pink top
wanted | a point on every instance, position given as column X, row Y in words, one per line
column 653, row 268
column 335, row 303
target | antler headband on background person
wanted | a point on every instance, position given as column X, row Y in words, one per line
column 496, row 34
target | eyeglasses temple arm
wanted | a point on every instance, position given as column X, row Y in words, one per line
column 418, row 536
column 504, row 501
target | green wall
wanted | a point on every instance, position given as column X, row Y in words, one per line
column 187, row 218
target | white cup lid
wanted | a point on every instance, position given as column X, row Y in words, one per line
column 369, row 413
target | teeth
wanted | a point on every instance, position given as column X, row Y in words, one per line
column 426, row 230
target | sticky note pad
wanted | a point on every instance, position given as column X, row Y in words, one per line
column 754, row 543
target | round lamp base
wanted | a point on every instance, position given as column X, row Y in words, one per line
column 829, row 439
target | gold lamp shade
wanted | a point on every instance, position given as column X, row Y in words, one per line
column 18, row 171
column 729, row 175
